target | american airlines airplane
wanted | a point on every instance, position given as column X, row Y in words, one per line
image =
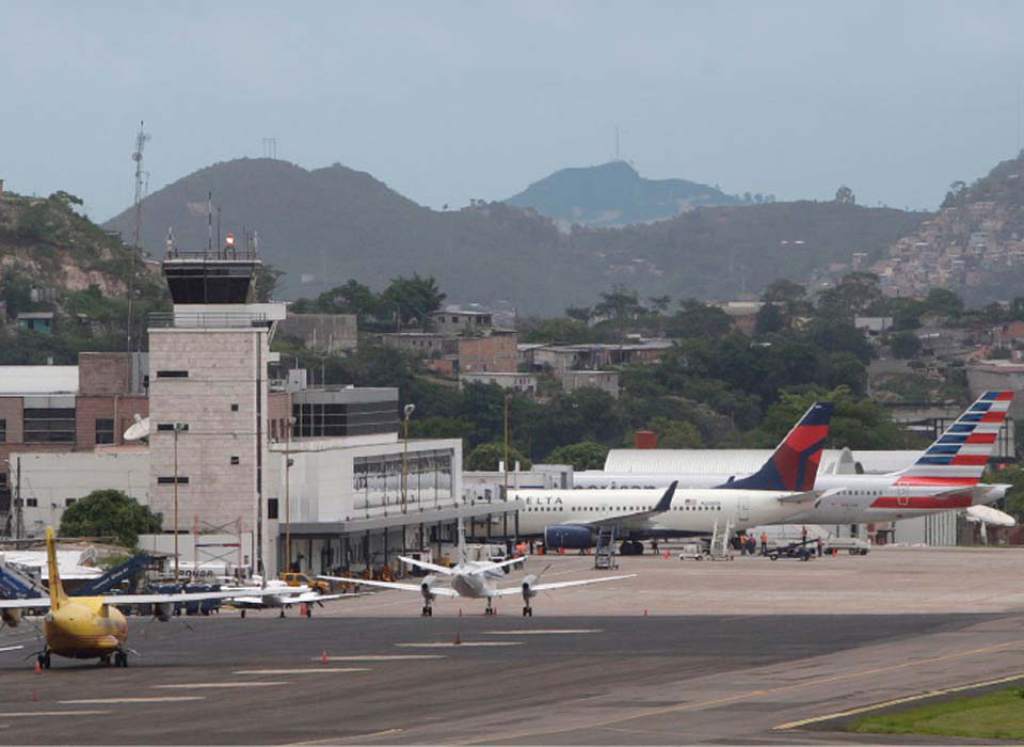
column 946, row 476
column 784, row 487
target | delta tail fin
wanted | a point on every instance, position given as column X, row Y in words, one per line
column 793, row 466
column 959, row 456
column 57, row 595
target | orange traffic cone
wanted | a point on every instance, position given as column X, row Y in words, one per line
column 458, row 638
column 39, row 667
column 323, row 656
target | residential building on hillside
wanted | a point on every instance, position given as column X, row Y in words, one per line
column 328, row 333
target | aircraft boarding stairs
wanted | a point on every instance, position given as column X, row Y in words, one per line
column 718, row 549
column 604, row 552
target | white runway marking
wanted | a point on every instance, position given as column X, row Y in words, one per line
column 30, row 714
column 213, row 685
column 5, row 649
column 544, row 631
column 464, row 644
column 112, row 701
column 384, row 657
column 307, row 670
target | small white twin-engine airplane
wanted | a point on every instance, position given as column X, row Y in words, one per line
column 475, row 579
column 279, row 595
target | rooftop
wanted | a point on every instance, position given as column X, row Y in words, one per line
column 36, row 380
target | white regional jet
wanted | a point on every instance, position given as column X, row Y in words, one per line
column 279, row 595
column 783, row 487
column 946, row 476
column 475, row 579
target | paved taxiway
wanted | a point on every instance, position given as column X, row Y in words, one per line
column 615, row 678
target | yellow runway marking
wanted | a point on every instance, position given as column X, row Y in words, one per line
column 543, row 631
column 385, row 657
column 684, row 707
column 30, row 714
column 464, row 644
column 214, row 685
column 112, row 701
column 896, row 701
column 307, row 670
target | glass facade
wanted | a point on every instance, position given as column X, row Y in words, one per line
column 377, row 480
column 314, row 420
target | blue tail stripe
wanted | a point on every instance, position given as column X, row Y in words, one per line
column 953, row 440
column 935, row 460
column 943, row 450
column 961, row 428
column 981, row 407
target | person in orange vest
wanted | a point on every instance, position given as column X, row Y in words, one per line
column 764, row 542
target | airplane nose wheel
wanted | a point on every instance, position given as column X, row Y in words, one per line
column 527, row 611
column 428, row 611
column 44, row 660
column 121, row 659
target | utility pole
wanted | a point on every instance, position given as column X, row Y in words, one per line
column 407, row 411
column 287, row 498
column 178, row 427
column 19, row 520
column 508, row 397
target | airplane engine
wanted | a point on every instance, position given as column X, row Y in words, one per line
column 568, row 536
column 11, row 617
column 528, row 592
column 163, row 611
column 425, row 588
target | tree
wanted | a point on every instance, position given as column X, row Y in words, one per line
column 485, row 458
column 676, row 434
column 413, row 299
column 619, row 304
column 845, row 196
column 769, row 319
column 695, row 319
column 1014, row 501
column 905, row 345
column 579, row 313
column 945, row 302
column 856, row 423
column 584, row 455
column 660, row 304
column 267, row 278
column 103, row 513
column 857, row 294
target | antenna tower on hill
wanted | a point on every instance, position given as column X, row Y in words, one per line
column 141, row 181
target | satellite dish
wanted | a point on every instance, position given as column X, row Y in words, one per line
column 139, row 429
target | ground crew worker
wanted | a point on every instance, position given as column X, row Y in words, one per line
column 764, row 542
column 820, row 547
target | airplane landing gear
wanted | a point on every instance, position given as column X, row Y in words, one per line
column 489, row 611
column 527, row 611
column 282, row 613
column 121, row 659
column 428, row 611
column 243, row 614
column 44, row 659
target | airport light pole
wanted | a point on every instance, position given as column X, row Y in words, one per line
column 508, row 398
column 288, row 496
column 407, row 412
column 178, row 428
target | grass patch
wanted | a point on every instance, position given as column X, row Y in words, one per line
column 997, row 715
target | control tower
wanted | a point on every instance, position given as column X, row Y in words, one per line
column 208, row 395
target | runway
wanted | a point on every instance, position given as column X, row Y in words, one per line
column 619, row 680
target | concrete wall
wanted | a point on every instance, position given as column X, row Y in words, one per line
column 50, row 479
column 482, row 354
column 332, row 333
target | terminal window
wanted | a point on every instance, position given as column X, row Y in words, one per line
column 271, row 508
column 314, row 420
column 171, row 480
column 377, row 480
column 172, row 374
column 49, row 425
column 104, row 431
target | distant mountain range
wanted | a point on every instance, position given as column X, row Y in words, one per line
column 614, row 194
column 325, row 226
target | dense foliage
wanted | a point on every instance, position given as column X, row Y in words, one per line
column 109, row 513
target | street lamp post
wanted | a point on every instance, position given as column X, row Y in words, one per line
column 178, row 428
column 407, row 412
column 508, row 398
column 288, row 497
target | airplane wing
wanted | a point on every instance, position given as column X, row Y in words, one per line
column 190, row 596
column 502, row 564
column 24, row 604
column 426, row 566
column 639, row 517
column 509, row 590
column 806, row 496
column 440, row 591
column 312, row 597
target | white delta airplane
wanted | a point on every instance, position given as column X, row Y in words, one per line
column 476, row 579
column 945, row 476
column 783, row 488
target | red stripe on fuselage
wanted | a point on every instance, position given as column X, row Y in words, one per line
column 936, row 481
column 924, row 502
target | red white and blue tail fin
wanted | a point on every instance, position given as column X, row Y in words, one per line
column 793, row 466
column 960, row 454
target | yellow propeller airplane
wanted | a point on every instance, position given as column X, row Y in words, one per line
column 94, row 627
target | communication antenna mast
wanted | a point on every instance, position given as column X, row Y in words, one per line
column 141, row 181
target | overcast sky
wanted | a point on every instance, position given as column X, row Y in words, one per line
column 445, row 101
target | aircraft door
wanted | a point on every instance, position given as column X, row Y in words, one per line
column 902, row 495
column 744, row 508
